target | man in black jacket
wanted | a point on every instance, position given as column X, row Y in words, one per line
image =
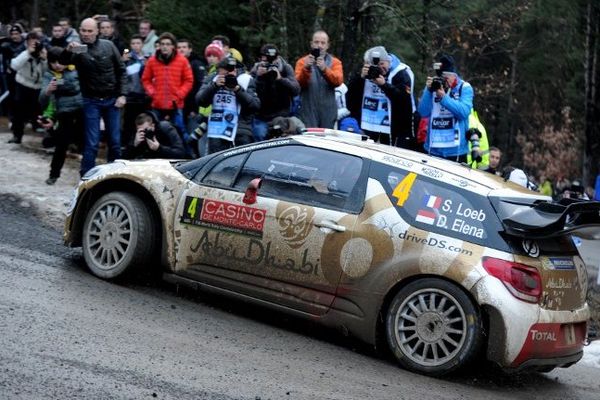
column 380, row 99
column 103, row 86
column 155, row 139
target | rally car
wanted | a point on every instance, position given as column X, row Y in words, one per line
column 439, row 262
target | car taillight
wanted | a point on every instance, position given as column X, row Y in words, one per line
column 522, row 281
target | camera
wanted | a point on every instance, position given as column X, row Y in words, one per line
column 38, row 49
column 438, row 83
column 230, row 81
column 149, row 134
column 474, row 135
column 316, row 53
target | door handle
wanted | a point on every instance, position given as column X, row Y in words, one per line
column 331, row 225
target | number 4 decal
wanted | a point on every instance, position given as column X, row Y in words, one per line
column 191, row 210
column 402, row 190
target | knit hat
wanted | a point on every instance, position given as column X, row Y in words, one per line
column 447, row 63
column 227, row 63
column 167, row 35
column 374, row 51
column 214, row 49
column 15, row 28
column 235, row 53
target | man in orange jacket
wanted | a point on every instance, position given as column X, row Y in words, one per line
column 319, row 73
column 167, row 79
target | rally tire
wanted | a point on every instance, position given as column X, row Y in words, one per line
column 118, row 235
column 433, row 327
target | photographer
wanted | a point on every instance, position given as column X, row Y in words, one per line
column 318, row 74
column 154, row 139
column 379, row 97
column 234, row 101
column 30, row 66
column 276, row 86
column 447, row 101
column 61, row 93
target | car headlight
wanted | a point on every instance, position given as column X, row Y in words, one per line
column 103, row 169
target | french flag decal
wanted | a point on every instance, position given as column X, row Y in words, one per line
column 426, row 217
column 432, row 201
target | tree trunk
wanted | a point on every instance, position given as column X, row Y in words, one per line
column 350, row 34
column 592, row 117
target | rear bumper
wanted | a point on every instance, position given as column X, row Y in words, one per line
column 542, row 363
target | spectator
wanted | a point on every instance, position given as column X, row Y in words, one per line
column 494, row 161
column 60, row 90
column 184, row 47
column 103, row 83
column 70, row 34
column 562, row 184
column 546, row 186
column 137, row 100
column 58, row 36
column 380, row 98
column 30, row 66
column 168, row 79
column 149, row 36
column 234, row 102
column 224, row 42
column 447, row 101
column 107, row 31
column 9, row 49
column 154, row 139
column 318, row 74
column 597, row 186
column 276, row 86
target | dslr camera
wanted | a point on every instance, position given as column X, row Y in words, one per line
column 38, row 49
column 149, row 133
column 230, row 81
column 438, row 80
column 473, row 135
column 374, row 70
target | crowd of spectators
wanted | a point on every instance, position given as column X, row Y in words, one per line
column 156, row 96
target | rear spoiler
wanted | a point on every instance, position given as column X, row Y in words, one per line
column 551, row 219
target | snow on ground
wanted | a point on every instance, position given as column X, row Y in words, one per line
column 591, row 355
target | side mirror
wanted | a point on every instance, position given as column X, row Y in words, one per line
column 252, row 191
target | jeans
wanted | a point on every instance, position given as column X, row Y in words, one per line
column 93, row 110
column 260, row 129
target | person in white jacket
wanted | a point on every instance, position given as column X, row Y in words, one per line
column 30, row 66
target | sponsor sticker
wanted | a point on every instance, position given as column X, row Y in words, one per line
column 223, row 216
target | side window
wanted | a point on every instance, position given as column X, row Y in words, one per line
column 224, row 172
column 305, row 175
column 437, row 207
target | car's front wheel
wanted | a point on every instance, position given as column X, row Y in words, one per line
column 118, row 235
column 433, row 327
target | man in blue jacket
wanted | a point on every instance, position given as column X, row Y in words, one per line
column 447, row 100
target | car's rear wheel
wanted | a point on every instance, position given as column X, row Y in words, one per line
column 118, row 235
column 433, row 327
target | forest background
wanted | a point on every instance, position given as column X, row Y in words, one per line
column 533, row 64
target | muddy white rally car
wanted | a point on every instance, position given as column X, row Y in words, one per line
column 439, row 262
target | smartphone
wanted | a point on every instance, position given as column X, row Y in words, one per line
column 315, row 52
column 82, row 48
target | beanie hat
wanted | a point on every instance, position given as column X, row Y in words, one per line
column 372, row 53
column 214, row 49
column 227, row 62
column 167, row 35
column 447, row 63
column 15, row 28
column 235, row 53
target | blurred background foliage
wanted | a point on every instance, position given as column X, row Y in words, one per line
column 533, row 63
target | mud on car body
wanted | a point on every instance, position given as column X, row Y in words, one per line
column 443, row 262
